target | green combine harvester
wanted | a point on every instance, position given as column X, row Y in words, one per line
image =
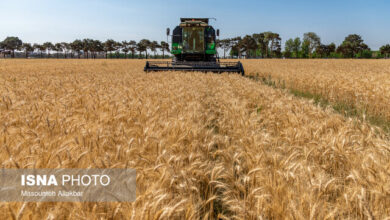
column 194, row 49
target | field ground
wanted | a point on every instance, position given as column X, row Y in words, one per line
column 204, row 145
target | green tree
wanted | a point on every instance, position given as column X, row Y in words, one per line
column 322, row 50
column 133, row 47
column 44, row 49
column 269, row 44
column 262, row 44
column 58, row 48
column 297, row 47
column 305, row 51
column 268, row 36
column 125, row 48
column 353, row 46
column 2, row 49
column 366, row 53
column 141, row 47
column 77, row 47
column 235, row 47
column 109, row 46
column 12, row 44
column 66, row 48
column 331, row 48
column 145, row 46
column 276, row 45
column 325, row 50
column 39, row 48
column 385, row 50
column 164, row 47
column 27, row 48
column 345, row 50
column 248, row 45
column 48, row 47
column 288, row 48
column 87, row 47
column 96, row 46
column 117, row 47
column 313, row 41
column 153, row 47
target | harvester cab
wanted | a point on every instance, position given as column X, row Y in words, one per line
column 194, row 47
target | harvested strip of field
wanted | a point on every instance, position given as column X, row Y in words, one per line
column 359, row 86
column 204, row 145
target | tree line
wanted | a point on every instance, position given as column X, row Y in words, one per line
column 258, row 45
column 268, row 45
column 86, row 48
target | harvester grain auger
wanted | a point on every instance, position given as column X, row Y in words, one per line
column 194, row 49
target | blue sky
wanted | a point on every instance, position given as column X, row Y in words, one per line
column 65, row 20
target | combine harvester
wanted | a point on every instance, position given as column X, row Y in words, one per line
column 194, row 49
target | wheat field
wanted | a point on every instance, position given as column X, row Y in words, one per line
column 363, row 84
column 205, row 146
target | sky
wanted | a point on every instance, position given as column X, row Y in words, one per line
column 38, row 21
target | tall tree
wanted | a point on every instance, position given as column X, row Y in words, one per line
column 12, row 44
column 345, row 50
column 27, row 48
column 141, row 47
column 305, row 49
column 109, row 46
column 96, row 46
column 269, row 44
column 296, row 47
column 164, row 47
column 262, row 43
column 44, row 49
column 352, row 46
column 248, row 45
column 153, row 47
column 158, row 46
column 117, row 47
column 125, row 48
column 385, row 50
column 2, row 49
column 331, row 48
column 322, row 50
column 235, row 47
column 276, row 45
column 268, row 36
column 146, row 45
column 66, row 48
column 48, row 46
column 288, row 48
column 87, row 47
column 39, row 48
column 77, row 46
column 313, row 41
column 58, row 48
column 132, row 47
column 325, row 50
